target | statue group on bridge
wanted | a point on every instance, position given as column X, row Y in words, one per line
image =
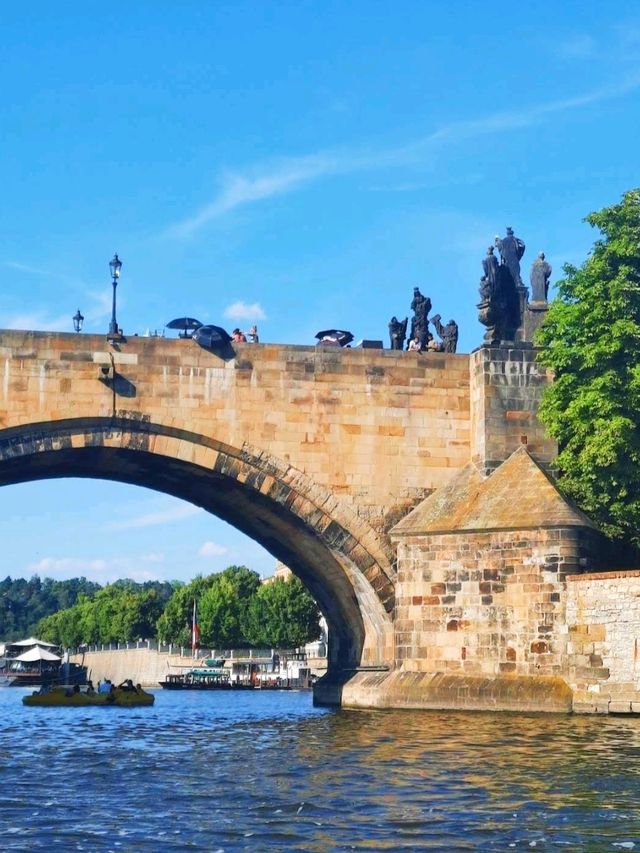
column 420, row 338
column 504, row 306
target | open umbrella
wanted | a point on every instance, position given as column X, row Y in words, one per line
column 37, row 654
column 32, row 642
column 334, row 337
column 211, row 337
column 187, row 326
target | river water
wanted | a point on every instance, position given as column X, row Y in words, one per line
column 223, row 771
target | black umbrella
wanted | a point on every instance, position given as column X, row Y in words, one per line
column 211, row 337
column 185, row 324
column 333, row 337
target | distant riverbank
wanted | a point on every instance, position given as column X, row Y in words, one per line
column 144, row 664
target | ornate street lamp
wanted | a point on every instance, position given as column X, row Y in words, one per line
column 115, row 265
column 78, row 320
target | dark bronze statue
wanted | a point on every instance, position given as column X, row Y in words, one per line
column 490, row 266
column 420, row 305
column 485, row 289
column 511, row 250
column 448, row 333
column 397, row 332
column 539, row 278
column 499, row 307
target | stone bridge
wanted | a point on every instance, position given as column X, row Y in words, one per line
column 350, row 466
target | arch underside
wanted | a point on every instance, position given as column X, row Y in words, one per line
column 346, row 568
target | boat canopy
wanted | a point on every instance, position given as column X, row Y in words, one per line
column 37, row 654
column 32, row 642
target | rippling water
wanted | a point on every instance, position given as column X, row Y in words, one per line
column 223, row 771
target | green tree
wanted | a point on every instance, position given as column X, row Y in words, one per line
column 117, row 613
column 591, row 340
column 174, row 625
column 283, row 615
column 24, row 603
column 224, row 605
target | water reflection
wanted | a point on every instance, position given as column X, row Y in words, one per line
column 211, row 771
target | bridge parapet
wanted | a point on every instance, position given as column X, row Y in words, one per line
column 379, row 429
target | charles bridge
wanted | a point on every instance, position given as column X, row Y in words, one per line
column 411, row 492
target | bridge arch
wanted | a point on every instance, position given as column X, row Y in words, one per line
column 346, row 565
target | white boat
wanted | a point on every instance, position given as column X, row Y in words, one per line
column 32, row 662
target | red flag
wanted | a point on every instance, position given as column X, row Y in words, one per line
column 195, row 631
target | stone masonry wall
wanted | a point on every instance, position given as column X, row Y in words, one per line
column 485, row 603
column 506, row 388
column 379, row 429
column 603, row 619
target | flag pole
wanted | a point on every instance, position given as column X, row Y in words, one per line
column 195, row 631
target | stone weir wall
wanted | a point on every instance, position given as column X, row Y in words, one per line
column 146, row 666
column 143, row 666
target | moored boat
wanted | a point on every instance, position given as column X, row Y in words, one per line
column 212, row 676
column 66, row 697
column 33, row 662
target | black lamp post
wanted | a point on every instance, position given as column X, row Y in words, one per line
column 115, row 265
column 78, row 320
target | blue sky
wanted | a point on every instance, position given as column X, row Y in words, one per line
column 300, row 165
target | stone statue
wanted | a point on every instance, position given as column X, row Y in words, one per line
column 511, row 250
column 499, row 308
column 397, row 332
column 490, row 267
column 448, row 333
column 485, row 289
column 420, row 305
column 540, row 275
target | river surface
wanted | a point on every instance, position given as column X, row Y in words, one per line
column 222, row 771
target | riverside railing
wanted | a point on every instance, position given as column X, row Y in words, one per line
column 184, row 651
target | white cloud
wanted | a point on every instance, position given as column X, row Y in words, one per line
column 267, row 181
column 238, row 190
column 152, row 558
column 245, row 311
column 97, row 570
column 17, row 265
column 151, row 519
column 37, row 321
column 212, row 549
column 99, row 297
column 578, row 46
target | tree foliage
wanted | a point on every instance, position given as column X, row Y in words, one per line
column 282, row 614
column 224, row 606
column 234, row 609
column 120, row 612
column 23, row 603
column 591, row 340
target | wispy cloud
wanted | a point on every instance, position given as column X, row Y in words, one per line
column 37, row 321
column 42, row 272
column 98, row 570
column 238, row 190
column 245, row 311
column 288, row 175
column 212, row 549
column 417, row 186
column 577, row 46
column 31, row 270
column 152, row 519
column 99, row 301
